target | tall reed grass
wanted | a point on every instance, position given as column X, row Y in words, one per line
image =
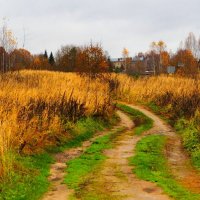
column 37, row 108
column 180, row 96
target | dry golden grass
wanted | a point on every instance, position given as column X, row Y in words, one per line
column 149, row 88
column 38, row 107
column 35, row 108
column 181, row 96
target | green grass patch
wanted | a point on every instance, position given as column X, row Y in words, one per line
column 189, row 130
column 157, row 109
column 29, row 179
column 151, row 165
column 83, row 130
column 142, row 122
column 79, row 168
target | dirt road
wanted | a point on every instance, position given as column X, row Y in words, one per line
column 115, row 180
column 58, row 190
column 178, row 159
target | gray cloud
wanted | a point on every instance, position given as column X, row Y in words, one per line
column 115, row 23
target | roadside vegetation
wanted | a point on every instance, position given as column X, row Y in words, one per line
column 176, row 99
column 141, row 121
column 150, row 164
column 38, row 118
column 188, row 129
column 29, row 180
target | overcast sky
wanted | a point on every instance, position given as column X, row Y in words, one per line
column 133, row 24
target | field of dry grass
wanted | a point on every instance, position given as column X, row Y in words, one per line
column 180, row 96
column 37, row 108
column 40, row 110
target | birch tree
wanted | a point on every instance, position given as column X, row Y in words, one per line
column 9, row 43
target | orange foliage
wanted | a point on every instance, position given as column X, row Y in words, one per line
column 22, row 58
column 165, row 58
column 186, row 62
column 91, row 60
column 40, row 63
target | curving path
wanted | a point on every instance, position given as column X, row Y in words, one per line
column 59, row 190
column 178, row 159
column 115, row 180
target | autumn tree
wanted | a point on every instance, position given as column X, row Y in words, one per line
column 66, row 58
column 153, row 62
column 165, row 57
column 185, row 62
column 126, row 59
column 8, row 42
column 157, row 51
column 40, row 63
column 21, row 59
column 91, row 61
column 138, row 67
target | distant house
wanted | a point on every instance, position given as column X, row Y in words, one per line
column 134, row 65
column 117, row 62
column 142, row 64
column 139, row 65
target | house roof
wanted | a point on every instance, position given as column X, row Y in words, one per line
column 114, row 59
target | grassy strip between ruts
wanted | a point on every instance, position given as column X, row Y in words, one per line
column 151, row 165
column 30, row 181
column 142, row 122
column 79, row 168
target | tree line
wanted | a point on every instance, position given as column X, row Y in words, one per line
column 92, row 59
column 86, row 59
column 186, row 59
